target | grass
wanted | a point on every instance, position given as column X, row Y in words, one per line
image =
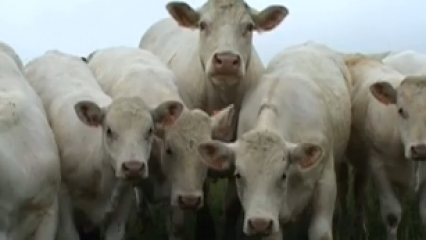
column 410, row 228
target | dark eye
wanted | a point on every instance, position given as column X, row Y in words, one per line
column 109, row 132
column 284, row 177
column 402, row 113
column 249, row 28
column 150, row 131
column 169, row 151
column 237, row 175
column 202, row 26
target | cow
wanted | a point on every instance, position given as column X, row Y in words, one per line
column 388, row 137
column 293, row 129
column 407, row 62
column 104, row 144
column 30, row 165
column 128, row 71
column 211, row 51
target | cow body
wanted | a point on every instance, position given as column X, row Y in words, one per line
column 104, row 144
column 293, row 129
column 178, row 172
column 389, row 124
column 30, row 166
column 407, row 62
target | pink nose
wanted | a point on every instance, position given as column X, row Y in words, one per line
column 262, row 226
column 226, row 63
column 189, row 201
column 133, row 168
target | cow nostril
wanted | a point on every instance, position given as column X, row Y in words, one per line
column 413, row 150
column 124, row 167
column 217, row 59
column 236, row 62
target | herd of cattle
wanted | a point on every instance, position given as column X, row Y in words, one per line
column 83, row 138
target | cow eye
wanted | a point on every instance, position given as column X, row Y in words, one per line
column 237, row 175
column 149, row 132
column 109, row 132
column 402, row 113
column 249, row 28
column 284, row 176
column 202, row 26
column 169, row 151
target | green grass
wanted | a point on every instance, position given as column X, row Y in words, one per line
column 409, row 229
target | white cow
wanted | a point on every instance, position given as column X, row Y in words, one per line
column 30, row 167
column 389, row 135
column 407, row 62
column 293, row 129
column 210, row 48
column 104, row 144
column 126, row 71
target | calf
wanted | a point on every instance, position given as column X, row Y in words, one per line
column 390, row 135
column 293, row 129
column 104, row 144
column 30, row 167
column 126, row 71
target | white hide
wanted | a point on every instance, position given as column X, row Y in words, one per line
column 30, row 165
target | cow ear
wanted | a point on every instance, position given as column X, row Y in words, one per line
column 217, row 155
column 166, row 114
column 183, row 14
column 269, row 18
column 89, row 113
column 222, row 122
column 306, row 155
column 384, row 92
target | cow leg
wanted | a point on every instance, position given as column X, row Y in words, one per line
column 116, row 227
column 422, row 201
column 233, row 210
column 176, row 224
column 204, row 225
column 323, row 208
column 66, row 227
column 48, row 224
column 361, row 176
column 390, row 206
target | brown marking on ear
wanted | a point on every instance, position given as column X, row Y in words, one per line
column 383, row 92
column 168, row 121
column 92, row 119
column 310, row 156
column 172, row 116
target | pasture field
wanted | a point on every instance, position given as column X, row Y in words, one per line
column 410, row 228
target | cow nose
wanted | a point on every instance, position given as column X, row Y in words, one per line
column 418, row 152
column 133, row 168
column 189, row 201
column 226, row 63
column 262, row 226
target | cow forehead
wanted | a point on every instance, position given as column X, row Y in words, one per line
column 413, row 89
column 127, row 111
column 220, row 10
column 262, row 147
column 191, row 125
